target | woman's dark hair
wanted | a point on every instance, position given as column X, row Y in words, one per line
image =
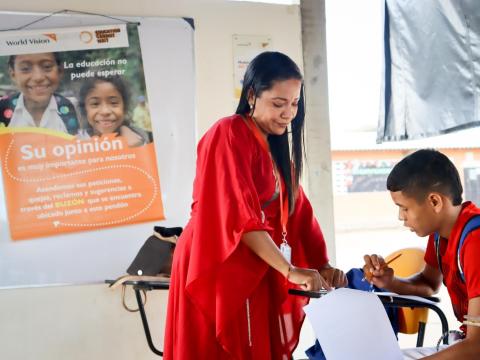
column 91, row 83
column 261, row 74
column 425, row 171
column 56, row 55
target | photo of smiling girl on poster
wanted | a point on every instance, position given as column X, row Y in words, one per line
column 104, row 104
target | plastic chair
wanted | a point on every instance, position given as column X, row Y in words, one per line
column 411, row 320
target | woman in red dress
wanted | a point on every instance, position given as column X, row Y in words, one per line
column 252, row 233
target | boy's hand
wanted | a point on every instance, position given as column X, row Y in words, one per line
column 377, row 272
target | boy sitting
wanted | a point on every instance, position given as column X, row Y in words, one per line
column 426, row 188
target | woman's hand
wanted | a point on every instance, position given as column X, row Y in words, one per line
column 377, row 272
column 336, row 278
column 308, row 279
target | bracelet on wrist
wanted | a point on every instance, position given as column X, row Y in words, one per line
column 290, row 268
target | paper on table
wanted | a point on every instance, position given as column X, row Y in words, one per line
column 420, row 352
column 410, row 297
column 353, row 324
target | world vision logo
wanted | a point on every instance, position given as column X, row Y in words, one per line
column 33, row 41
column 103, row 36
column 51, row 36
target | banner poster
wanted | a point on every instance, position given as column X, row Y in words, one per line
column 76, row 144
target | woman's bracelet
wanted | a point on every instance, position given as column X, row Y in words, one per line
column 468, row 322
column 471, row 320
column 290, row 268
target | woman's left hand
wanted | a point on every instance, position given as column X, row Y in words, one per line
column 335, row 277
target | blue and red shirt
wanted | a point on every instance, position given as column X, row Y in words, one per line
column 460, row 292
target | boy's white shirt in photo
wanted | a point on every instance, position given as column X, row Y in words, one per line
column 50, row 118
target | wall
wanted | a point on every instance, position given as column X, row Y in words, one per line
column 88, row 321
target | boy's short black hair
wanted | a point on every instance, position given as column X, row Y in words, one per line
column 56, row 55
column 425, row 171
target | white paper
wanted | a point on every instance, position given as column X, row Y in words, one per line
column 420, row 352
column 353, row 324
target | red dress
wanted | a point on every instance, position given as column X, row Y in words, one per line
column 224, row 301
column 460, row 292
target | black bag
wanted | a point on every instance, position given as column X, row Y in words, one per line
column 153, row 261
column 155, row 256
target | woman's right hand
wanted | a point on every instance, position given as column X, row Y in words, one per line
column 308, row 279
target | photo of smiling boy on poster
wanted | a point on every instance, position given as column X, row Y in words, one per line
column 73, row 157
column 37, row 77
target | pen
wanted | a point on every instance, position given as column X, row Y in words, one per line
column 393, row 259
column 385, row 265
